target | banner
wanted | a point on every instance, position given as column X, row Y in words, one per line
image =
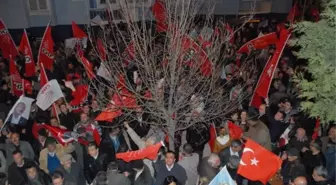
column 259, row 43
column 20, row 112
column 7, row 44
column 48, row 94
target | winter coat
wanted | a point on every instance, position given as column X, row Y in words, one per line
column 60, row 151
column 260, row 134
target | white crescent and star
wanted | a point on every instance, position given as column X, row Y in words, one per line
column 254, row 161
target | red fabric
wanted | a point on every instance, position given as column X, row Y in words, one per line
column 101, row 49
column 316, row 129
column 234, row 130
column 129, row 53
column 108, row 115
column 36, row 128
column 28, row 87
column 7, row 44
column 148, row 95
column 267, row 163
column 46, row 52
column 231, row 33
column 43, row 76
column 77, row 31
column 150, row 152
column 259, row 43
column 25, row 49
column 15, row 77
column 58, row 134
column 80, row 95
column 124, row 99
column 213, row 135
column 88, row 67
column 293, row 13
column 160, row 15
column 265, row 79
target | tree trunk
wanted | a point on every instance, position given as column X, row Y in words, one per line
column 171, row 133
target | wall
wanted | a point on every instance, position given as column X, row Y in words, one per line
column 281, row 6
column 226, row 7
column 14, row 14
column 71, row 10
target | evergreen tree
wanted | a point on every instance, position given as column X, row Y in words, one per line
column 316, row 42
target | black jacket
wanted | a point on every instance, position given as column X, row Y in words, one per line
column 225, row 155
column 93, row 166
column 43, row 178
column 291, row 170
column 15, row 177
column 198, row 136
column 76, row 174
column 68, row 120
column 145, row 178
column 107, row 145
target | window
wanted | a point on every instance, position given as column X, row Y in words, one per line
column 38, row 5
column 117, row 14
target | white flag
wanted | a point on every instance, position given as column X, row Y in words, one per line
column 19, row 114
column 48, row 94
column 103, row 72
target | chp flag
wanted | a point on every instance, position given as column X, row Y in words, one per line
column 48, row 94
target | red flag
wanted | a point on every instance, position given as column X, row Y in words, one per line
column 150, row 152
column 316, row 129
column 7, row 44
column 257, row 163
column 27, row 86
column 101, row 49
column 190, row 49
column 160, row 15
column 234, row 130
column 36, row 128
column 259, row 43
column 46, row 52
column 109, row 115
column 43, row 76
column 88, row 67
column 293, row 13
column 129, row 53
column 230, row 31
column 268, row 72
column 25, row 49
column 213, row 136
column 124, row 99
column 15, row 77
column 77, row 32
column 80, row 96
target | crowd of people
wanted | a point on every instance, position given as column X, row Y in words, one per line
column 278, row 125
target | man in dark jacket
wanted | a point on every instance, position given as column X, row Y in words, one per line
column 114, row 177
column 142, row 175
column 292, row 166
column 94, row 162
column 71, row 170
column 40, row 143
column 58, row 179
column 112, row 142
column 234, row 150
column 36, row 176
column 16, row 171
column 320, row 176
column 67, row 119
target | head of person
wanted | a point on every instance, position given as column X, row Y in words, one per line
column 236, row 145
column 112, row 166
column 31, row 170
column 18, row 157
column 299, row 181
column 57, row 178
column 320, row 173
column 114, row 131
column 15, row 138
column 64, row 108
column 66, row 161
column 94, row 104
column 315, row 145
column 253, row 119
column 293, row 154
column 84, row 118
column 262, row 109
column 293, row 119
column 234, row 116
column 93, row 149
column 243, row 115
column 332, row 133
column 170, row 158
column 86, row 109
column 137, row 165
column 101, row 178
column 42, row 135
column 170, row 180
column 214, row 160
column 54, row 122
column 300, row 134
column 233, row 162
column 222, row 131
column 288, row 105
column 279, row 116
column 19, row 109
column 187, row 149
column 139, row 110
column 51, row 144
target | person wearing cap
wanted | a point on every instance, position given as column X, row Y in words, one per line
column 258, row 131
column 40, row 143
column 291, row 166
column 71, row 170
column 50, row 156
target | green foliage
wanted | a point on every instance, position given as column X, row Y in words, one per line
column 317, row 45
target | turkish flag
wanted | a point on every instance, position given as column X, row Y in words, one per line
column 259, row 43
column 257, row 163
column 15, row 78
column 265, row 79
column 109, row 115
column 36, row 128
column 160, row 14
column 77, row 32
column 234, row 130
column 25, row 49
column 213, row 136
column 150, row 152
column 101, row 49
column 124, row 99
column 27, row 86
column 7, row 44
column 46, row 52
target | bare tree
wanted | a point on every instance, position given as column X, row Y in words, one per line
column 176, row 78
